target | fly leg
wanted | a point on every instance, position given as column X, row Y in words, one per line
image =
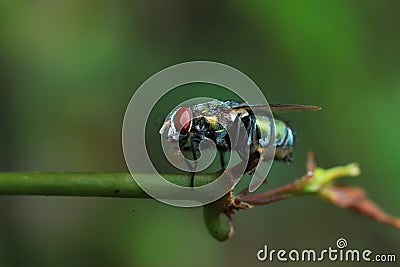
column 222, row 160
column 194, row 167
column 239, row 143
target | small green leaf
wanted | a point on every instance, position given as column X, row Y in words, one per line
column 216, row 219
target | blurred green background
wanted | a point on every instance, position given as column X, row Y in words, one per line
column 69, row 68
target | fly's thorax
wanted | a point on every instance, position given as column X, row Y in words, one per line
column 209, row 127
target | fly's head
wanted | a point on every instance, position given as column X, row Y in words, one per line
column 178, row 125
column 189, row 126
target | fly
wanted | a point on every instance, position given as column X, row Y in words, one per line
column 189, row 125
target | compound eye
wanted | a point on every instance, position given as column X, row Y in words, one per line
column 182, row 120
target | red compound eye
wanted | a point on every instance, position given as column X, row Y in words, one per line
column 183, row 119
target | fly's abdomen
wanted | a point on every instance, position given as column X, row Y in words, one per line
column 284, row 138
column 284, row 141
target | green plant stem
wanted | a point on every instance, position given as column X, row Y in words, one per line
column 120, row 185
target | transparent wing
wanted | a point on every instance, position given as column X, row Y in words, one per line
column 280, row 107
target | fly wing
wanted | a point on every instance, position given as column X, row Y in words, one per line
column 278, row 107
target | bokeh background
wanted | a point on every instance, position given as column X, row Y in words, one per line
column 69, row 68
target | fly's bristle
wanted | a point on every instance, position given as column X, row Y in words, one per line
column 164, row 127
